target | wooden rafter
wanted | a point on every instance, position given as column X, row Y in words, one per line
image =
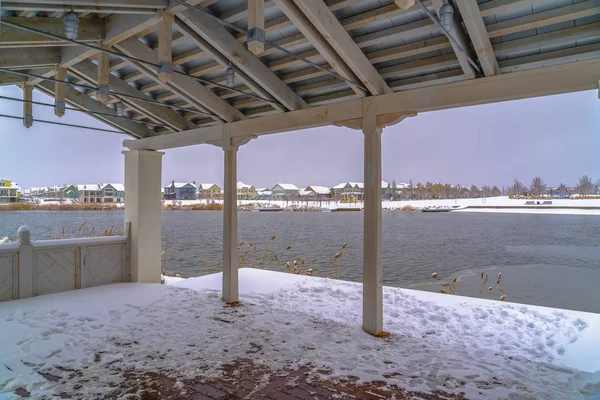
column 256, row 20
column 226, row 44
column 188, row 87
column 222, row 61
column 323, row 48
column 84, row 102
column 88, row 70
column 461, row 47
column 329, row 26
column 473, row 20
column 90, row 30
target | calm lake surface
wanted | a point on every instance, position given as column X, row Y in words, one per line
column 551, row 260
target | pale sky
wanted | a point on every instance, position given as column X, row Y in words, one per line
column 555, row 137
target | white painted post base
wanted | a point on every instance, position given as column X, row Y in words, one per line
column 25, row 264
column 143, row 172
column 230, row 230
column 372, row 264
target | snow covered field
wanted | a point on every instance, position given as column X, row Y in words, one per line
column 501, row 201
column 484, row 348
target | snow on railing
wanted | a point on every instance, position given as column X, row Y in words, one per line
column 31, row 268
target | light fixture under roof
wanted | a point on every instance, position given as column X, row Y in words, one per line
column 446, row 14
column 230, row 76
column 71, row 25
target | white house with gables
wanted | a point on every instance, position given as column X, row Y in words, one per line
column 284, row 191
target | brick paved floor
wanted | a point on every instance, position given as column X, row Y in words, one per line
column 246, row 380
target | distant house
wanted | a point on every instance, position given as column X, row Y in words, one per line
column 9, row 191
column 209, row 191
column 180, row 191
column 284, row 191
column 246, row 192
column 348, row 191
column 318, row 192
column 112, row 193
column 89, row 193
column 70, row 192
column 263, row 194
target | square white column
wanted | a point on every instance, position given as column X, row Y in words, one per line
column 143, row 173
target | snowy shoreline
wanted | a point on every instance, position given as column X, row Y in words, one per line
column 501, row 204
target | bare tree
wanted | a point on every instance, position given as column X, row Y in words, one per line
column 585, row 186
column 517, row 188
column 538, row 186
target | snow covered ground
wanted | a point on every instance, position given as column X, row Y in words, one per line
column 500, row 201
column 484, row 348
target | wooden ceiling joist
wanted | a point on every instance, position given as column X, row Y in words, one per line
column 90, row 30
column 460, row 44
column 322, row 47
column 29, row 57
column 168, row 116
column 469, row 10
column 84, row 102
column 188, row 87
column 215, row 34
column 329, row 26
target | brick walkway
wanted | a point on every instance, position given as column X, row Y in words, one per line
column 246, row 380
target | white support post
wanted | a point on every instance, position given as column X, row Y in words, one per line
column 372, row 263
column 230, row 231
column 25, row 264
column 143, row 171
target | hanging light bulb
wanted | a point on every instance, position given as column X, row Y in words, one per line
column 446, row 12
column 230, row 76
column 71, row 25
column 121, row 109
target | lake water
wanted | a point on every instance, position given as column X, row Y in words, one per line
column 551, row 260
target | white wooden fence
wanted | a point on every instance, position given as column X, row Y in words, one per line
column 32, row 268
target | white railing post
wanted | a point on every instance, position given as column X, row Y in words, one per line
column 25, row 269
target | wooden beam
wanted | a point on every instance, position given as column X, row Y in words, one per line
column 168, row 116
column 322, row 47
column 459, row 36
column 548, row 39
column 500, row 6
column 188, row 87
column 222, row 61
column 103, row 77
column 84, row 102
column 29, row 57
column 256, row 20
column 215, row 34
column 469, row 10
column 329, row 26
column 567, row 78
column 404, row 4
column 59, row 92
column 27, row 105
column 165, row 47
column 100, row 3
column 11, row 79
column 545, row 18
column 90, row 30
column 120, row 27
column 546, row 59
